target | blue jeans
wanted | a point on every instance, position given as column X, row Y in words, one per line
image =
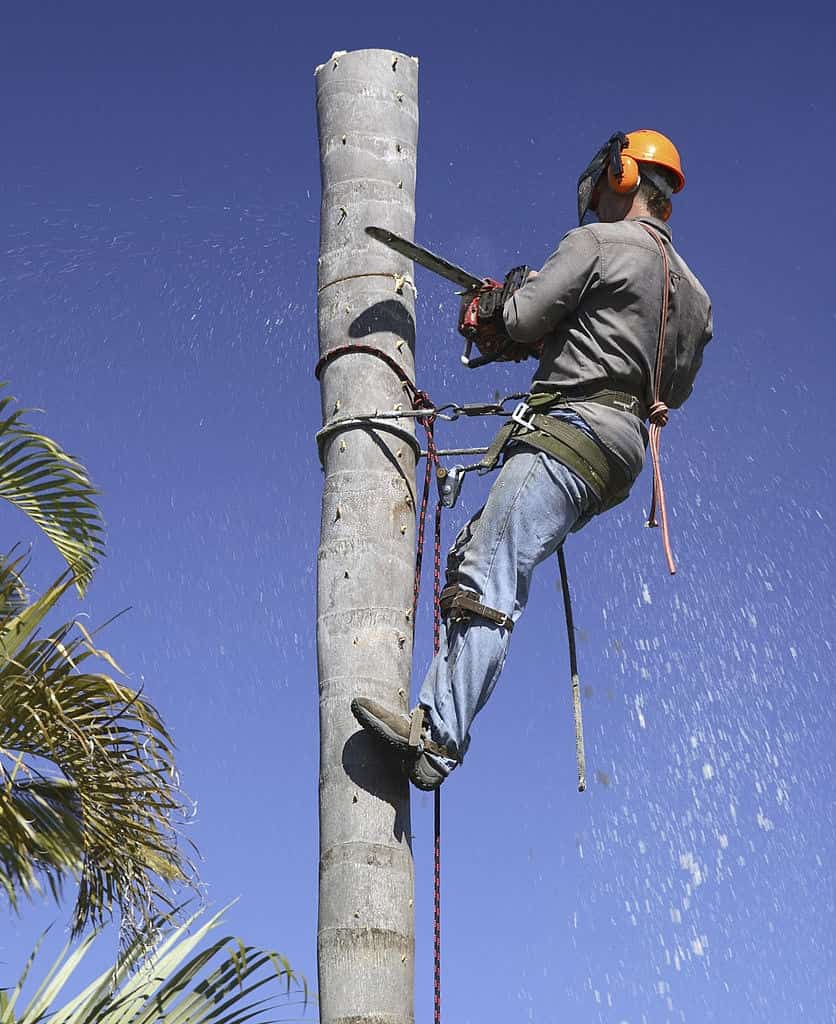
column 533, row 504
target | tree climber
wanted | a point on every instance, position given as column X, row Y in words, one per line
column 611, row 299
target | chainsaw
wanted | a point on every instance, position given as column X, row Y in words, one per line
column 480, row 317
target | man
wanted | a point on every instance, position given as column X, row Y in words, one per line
column 619, row 322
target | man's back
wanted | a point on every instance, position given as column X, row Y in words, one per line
column 596, row 304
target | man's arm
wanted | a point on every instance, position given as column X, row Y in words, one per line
column 555, row 292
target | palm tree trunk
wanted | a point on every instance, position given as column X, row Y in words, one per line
column 368, row 129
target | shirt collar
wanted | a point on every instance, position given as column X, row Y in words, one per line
column 657, row 225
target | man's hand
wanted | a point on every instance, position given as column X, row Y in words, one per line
column 481, row 319
column 516, row 350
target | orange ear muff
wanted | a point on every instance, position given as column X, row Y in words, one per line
column 629, row 179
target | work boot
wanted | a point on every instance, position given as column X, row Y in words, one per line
column 426, row 774
column 408, row 737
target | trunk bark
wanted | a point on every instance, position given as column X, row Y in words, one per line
column 368, row 129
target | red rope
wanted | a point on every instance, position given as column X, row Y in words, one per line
column 437, row 802
column 420, row 400
column 432, row 464
column 368, row 350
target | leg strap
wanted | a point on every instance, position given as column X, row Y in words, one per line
column 457, row 604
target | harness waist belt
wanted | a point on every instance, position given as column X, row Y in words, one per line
column 531, row 425
column 621, row 400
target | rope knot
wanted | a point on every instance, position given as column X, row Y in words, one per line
column 658, row 414
column 420, row 399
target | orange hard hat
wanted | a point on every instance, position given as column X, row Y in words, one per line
column 646, row 146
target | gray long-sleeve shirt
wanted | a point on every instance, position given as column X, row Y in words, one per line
column 597, row 303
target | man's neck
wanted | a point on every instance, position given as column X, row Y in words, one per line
column 638, row 209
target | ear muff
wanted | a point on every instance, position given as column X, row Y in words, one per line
column 628, row 180
column 622, row 171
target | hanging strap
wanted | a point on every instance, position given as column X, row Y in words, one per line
column 580, row 754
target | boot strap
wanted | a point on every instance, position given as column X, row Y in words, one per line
column 416, row 729
column 418, row 740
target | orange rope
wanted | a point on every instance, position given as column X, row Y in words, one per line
column 658, row 411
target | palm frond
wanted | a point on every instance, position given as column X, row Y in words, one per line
column 40, row 834
column 174, row 983
column 14, row 596
column 88, row 783
column 24, row 619
column 53, row 489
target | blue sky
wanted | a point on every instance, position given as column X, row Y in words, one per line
column 159, row 184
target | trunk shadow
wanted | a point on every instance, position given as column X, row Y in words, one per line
column 369, row 765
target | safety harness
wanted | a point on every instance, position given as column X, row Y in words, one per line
column 532, row 424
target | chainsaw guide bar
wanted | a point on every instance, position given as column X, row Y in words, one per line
column 437, row 264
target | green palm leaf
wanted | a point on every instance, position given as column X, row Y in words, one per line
column 53, row 489
column 182, row 980
column 88, row 784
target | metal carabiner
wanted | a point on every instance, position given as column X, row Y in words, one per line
column 519, row 414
